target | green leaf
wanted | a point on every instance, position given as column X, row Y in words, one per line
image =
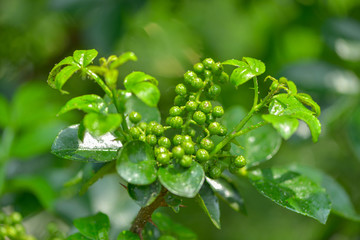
column 77, row 236
column 184, row 182
column 127, row 235
column 144, row 195
column 136, row 163
column 246, row 70
column 307, row 100
column 86, row 103
column 173, row 201
column 209, row 203
column 168, row 227
column 144, row 87
column 111, row 77
column 64, row 75
column 123, row 58
column 148, row 114
column 4, row 112
column 228, row 193
column 36, row 185
column 258, row 145
column 101, row 149
column 57, row 68
column 93, row 227
column 293, row 191
column 85, row 57
column 99, row 124
column 292, row 87
column 285, row 105
column 285, row 126
column 340, row 200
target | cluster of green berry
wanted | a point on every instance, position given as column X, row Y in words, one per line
column 11, row 227
column 195, row 119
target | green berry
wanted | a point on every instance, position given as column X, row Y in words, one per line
column 191, row 132
column 208, row 63
column 178, row 139
column 214, row 128
column 218, row 111
column 224, row 77
column 142, row 138
column 150, row 126
column 151, row 139
column 175, row 111
column 239, row 161
column 217, row 68
column 188, row 147
column 159, row 150
column 187, row 138
column 215, row 172
column 202, row 155
column 143, row 125
column 180, row 100
column 214, row 91
column 192, row 98
column 135, row 132
column 186, row 161
column 209, row 118
column 16, row 217
column 197, row 83
column 207, row 144
column 178, row 152
column 20, row 229
column 208, row 74
column 164, row 142
column 223, row 131
column 189, row 76
column 176, row 122
column 191, row 106
column 158, row 130
column 163, row 158
column 205, row 106
column 134, row 117
column 180, row 89
column 233, row 168
column 199, row 117
column 199, row 68
column 283, row 80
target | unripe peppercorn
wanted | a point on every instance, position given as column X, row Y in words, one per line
column 163, row 158
column 217, row 68
column 191, row 106
column 202, row 155
column 208, row 63
column 188, row 147
column 143, row 125
column 178, row 139
column 214, row 91
column 151, row 139
column 158, row 130
column 214, row 128
column 178, row 152
column 134, row 117
column 223, row 131
column 180, row 89
column 239, row 161
column 208, row 74
column 164, row 142
column 189, row 76
column 186, row 161
column 197, row 83
column 224, row 77
column 218, row 111
column 150, row 126
column 199, row 68
column 167, row 121
column 176, row 122
column 187, row 138
column 192, row 98
column 142, row 138
column 206, row 166
column 205, row 106
column 175, row 111
column 215, row 172
column 199, row 117
column 159, row 150
column 15, row 217
column 207, row 144
column 180, row 100
column 135, row 132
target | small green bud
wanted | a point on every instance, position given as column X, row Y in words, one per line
column 240, row 161
column 151, row 139
column 202, row 155
column 163, row 158
column 224, row 77
column 186, row 161
column 180, row 89
column 135, row 132
column 158, row 130
column 189, row 76
column 218, row 111
column 191, row 106
column 134, row 117
column 214, row 128
column 164, row 142
column 175, row 111
column 178, row 139
column 178, row 152
column 199, row 68
column 143, row 125
column 188, row 147
column 214, row 91
column 208, row 63
column 205, row 106
column 197, row 83
column 215, row 172
column 176, row 122
column 199, row 117
column 207, row 144
column 180, row 100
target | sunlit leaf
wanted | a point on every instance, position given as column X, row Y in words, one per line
column 94, row 227
column 86, row 103
column 85, row 57
column 99, row 124
column 285, row 126
column 307, row 100
column 123, row 58
column 57, row 69
column 64, row 75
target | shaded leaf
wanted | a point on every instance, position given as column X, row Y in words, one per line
column 123, row 58
column 4, row 112
column 64, row 75
column 85, row 57
column 101, row 149
column 144, row 195
column 136, row 163
column 127, row 235
column 173, row 201
column 284, row 125
column 184, row 182
column 293, row 191
column 86, row 103
column 210, row 204
column 94, row 227
column 228, row 193
column 99, row 124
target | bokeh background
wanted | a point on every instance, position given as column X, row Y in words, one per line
column 315, row 43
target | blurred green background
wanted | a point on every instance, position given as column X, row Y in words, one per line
column 315, row 43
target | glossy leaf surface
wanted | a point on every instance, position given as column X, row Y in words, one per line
column 102, row 149
column 85, row 57
column 184, row 182
column 86, row 103
column 209, row 203
column 63, row 76
column 99, row 124
column 293, row 191
column 284, row 125
column 136, row 163
column 228, row 193
column 94, row 227
column 127, row 235
column 144, row 195
column 123, row 58
column 57, row 68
